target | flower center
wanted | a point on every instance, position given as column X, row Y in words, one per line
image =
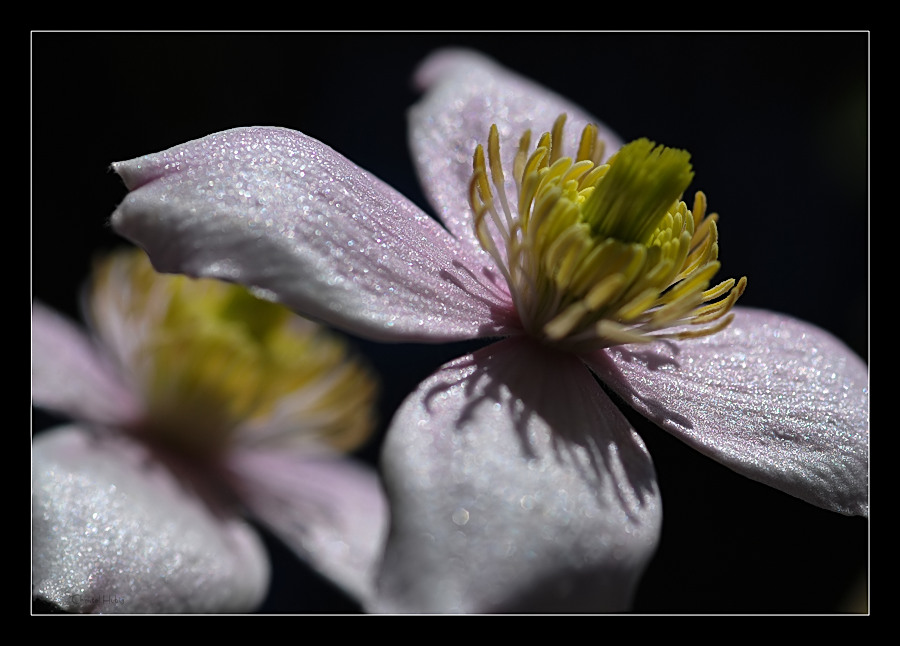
column 209, row 357
column 597, row 255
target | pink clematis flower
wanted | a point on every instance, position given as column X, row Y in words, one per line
column 515, row 481
column 194, row 404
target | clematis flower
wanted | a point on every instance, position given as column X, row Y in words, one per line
column 194, row 406
column 516, row 482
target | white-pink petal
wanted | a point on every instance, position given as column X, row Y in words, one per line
column 515, row 485
column 274, row 209
column 70, row 374
column 115, row 530
column 466, row 93
column 329, row 509
column 776, row 399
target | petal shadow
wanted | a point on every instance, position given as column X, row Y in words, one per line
column 516, row 485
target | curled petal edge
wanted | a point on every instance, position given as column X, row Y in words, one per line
column 278, row 211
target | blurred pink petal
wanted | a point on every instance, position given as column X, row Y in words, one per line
column 72, row 376
column 115, row 530
column 328, row 509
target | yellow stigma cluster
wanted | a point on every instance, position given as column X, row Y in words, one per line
column 210, row 359
column 597, row 255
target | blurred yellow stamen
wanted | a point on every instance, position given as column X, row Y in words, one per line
column 211, row 358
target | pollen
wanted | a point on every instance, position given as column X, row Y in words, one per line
column 599, row 254
column 214, row 362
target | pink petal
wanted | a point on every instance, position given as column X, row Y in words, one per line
column 114, row 530
column 515, row 486
column 70, row 375
column 466, row 93
column 774, row 398
column 330, row 510
column 274, row 209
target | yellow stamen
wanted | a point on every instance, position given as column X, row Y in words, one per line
column 601, row 254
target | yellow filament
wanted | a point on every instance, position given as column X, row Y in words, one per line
column 577, row 283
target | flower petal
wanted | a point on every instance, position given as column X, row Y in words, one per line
column 773, row 398
column 330, row 510
column 70, row 375
column 466, row 93
column 274, row 209
column 515, row 485
column 114, row 530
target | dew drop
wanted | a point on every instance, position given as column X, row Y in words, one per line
column 460, row 516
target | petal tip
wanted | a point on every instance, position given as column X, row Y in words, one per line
column 442, row 62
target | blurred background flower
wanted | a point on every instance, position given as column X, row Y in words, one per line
column 193, row 405
column 777, row 127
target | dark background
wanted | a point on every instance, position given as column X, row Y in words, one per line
column 777, row 125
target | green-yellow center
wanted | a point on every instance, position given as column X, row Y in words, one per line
column 210, row 358
column 599, row 254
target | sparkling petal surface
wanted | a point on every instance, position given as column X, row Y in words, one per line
column 516, row 486
column 276, row 210
column 114, row 531
column 466, row 93
column 70, row 375
column 773, row 398
column 330, row 510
